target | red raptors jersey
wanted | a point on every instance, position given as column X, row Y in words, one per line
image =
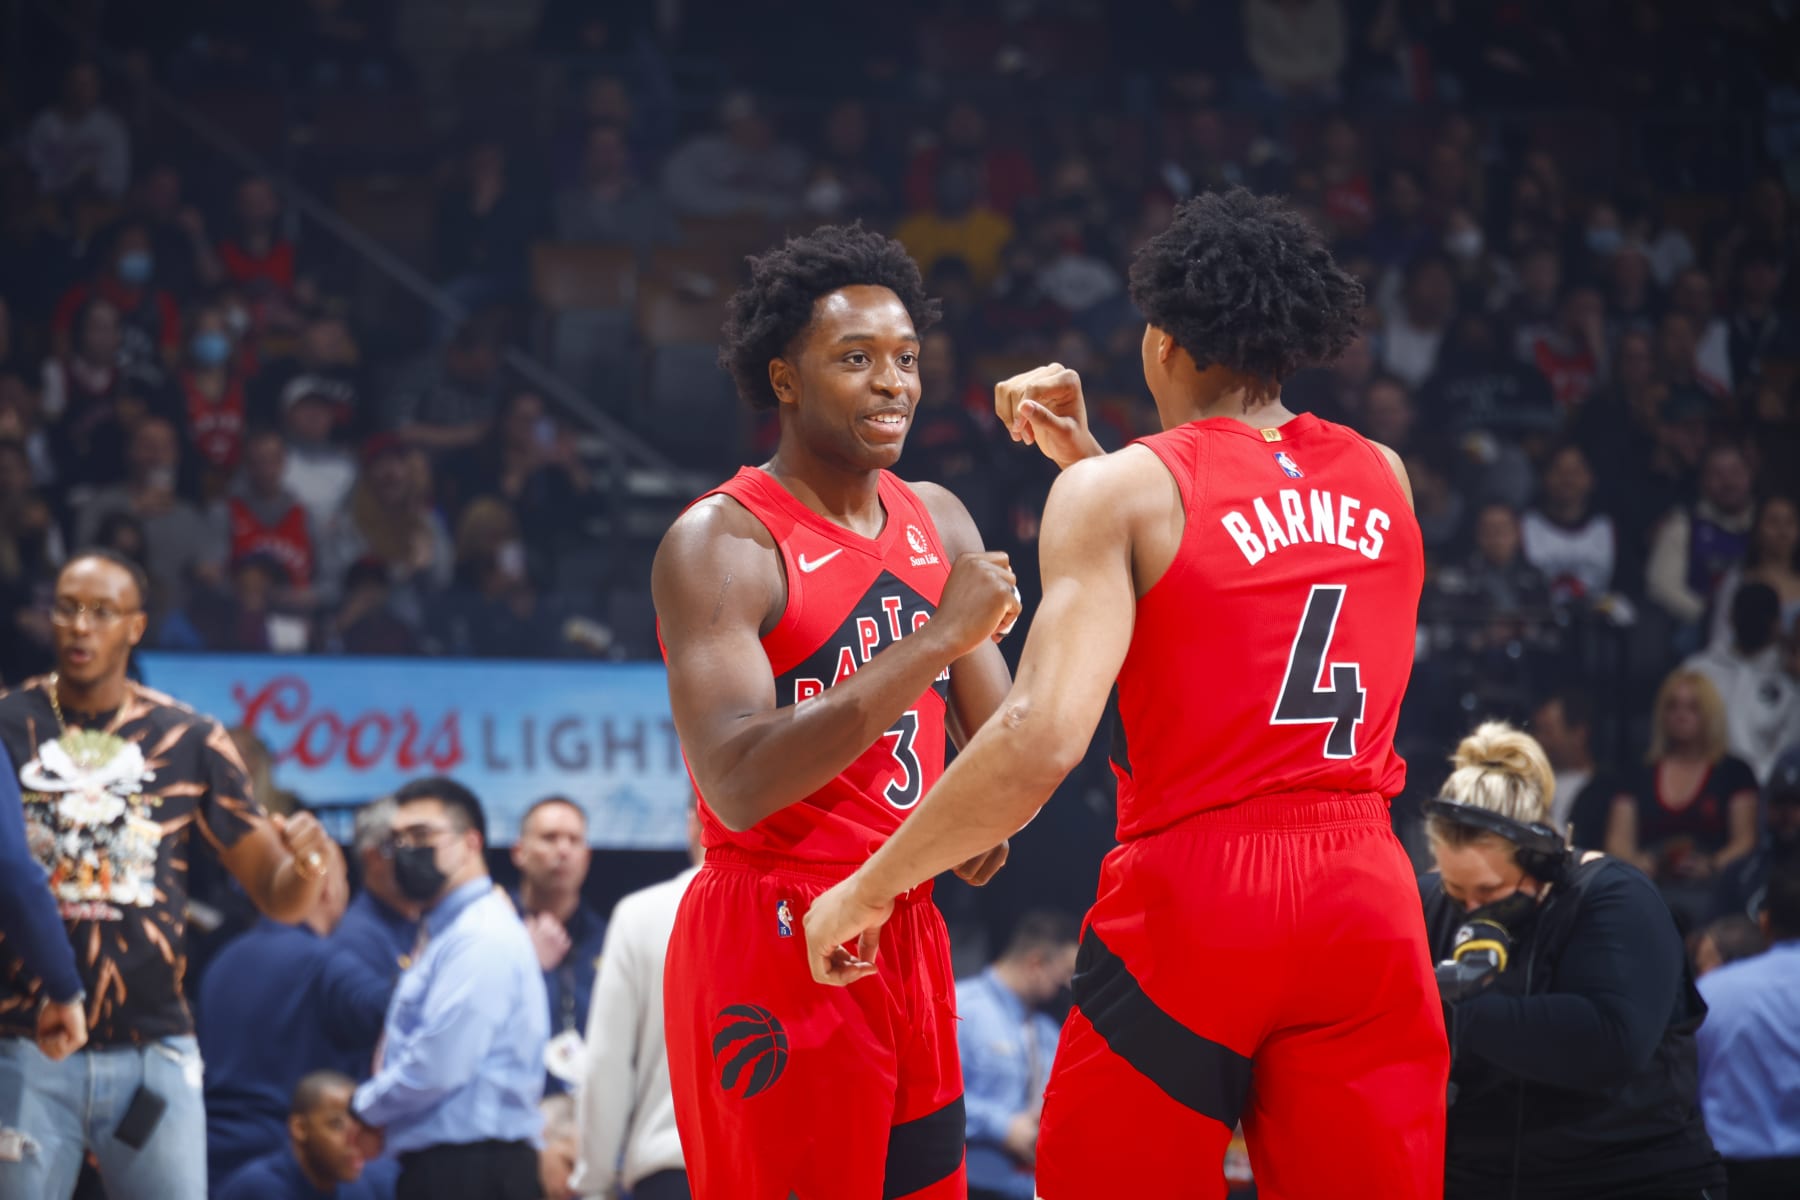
column 286, row 539
column 216, row 427
column 1273, row 655
column 848, row 597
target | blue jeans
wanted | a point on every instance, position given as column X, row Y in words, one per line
column 52, row 1113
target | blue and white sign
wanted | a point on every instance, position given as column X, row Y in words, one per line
column 345, row 730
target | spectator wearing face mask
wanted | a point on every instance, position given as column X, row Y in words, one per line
column 462, row 1066
column 212, row 400
column 1570, row 1007
column 149, row 318
column 1483, row 279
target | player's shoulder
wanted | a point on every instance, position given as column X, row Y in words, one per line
column 714, row 528
column 1127, row 481
column 948, row 514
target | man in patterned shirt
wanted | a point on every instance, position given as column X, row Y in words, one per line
column 122, row 786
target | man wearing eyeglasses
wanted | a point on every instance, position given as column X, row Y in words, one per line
column 461, row 1069
column 122, row 787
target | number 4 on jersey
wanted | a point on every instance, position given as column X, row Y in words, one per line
column 1302, row 701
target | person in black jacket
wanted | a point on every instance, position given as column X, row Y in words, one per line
column 1569, row 1003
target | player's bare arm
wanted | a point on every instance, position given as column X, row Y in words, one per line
column 718, row 589
column 1106, row 537
column 1044, row 407
column 980, row 678
column 1399, row 468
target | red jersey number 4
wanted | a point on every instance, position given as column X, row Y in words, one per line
column 1303, row 702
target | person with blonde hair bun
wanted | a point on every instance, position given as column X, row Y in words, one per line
column 1568, row 999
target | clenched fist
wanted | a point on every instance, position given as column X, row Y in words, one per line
column 1044, row 407
column 980, row 601
column 308, row 842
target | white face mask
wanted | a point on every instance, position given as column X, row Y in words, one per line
column 1463, row 244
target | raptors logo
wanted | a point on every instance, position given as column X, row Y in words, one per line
column 749, row 1038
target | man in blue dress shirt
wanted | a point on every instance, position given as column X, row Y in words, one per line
column 321, row 1160
column 381, row 926
column 278, row 1002
column 1750, row 1053
column 461, row 1069
column 552, row 856
column 1007, row 1043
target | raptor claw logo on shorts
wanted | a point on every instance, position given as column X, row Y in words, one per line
column 750, row 1048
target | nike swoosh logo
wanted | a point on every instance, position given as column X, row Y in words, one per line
column 809, row 567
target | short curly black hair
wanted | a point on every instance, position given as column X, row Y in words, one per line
column 1243, row 282
column 775, row 307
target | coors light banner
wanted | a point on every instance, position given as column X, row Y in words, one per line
column 345, row 730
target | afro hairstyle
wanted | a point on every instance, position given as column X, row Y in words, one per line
column 1243, row 282
column 775, row 307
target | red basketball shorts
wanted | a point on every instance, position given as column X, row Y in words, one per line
column 785, row 1087
column 1264, row 963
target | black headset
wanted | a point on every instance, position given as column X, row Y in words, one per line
column 1538, row 848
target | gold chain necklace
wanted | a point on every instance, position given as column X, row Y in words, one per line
column 63, row 726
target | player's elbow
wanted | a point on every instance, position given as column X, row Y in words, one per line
column 731, row 806
column 1042, row 751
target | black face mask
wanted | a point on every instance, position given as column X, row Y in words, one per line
column 1514, row 914
column 417, row 874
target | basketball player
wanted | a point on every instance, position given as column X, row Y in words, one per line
column 1250, row 576
column 823, row 624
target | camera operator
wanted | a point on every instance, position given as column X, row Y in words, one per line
column 1569, row 1004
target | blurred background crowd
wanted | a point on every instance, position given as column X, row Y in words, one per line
column 388, row 327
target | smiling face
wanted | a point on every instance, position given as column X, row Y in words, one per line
column 850, row 382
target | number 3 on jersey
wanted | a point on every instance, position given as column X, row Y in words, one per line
column 909, row 780
column 1302, row 701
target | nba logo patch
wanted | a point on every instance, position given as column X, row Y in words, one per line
column 1287, row 465
column 784, row 920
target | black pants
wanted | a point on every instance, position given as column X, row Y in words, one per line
column 664, row 1185
column 475, row 1171
column 1763, row 1178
